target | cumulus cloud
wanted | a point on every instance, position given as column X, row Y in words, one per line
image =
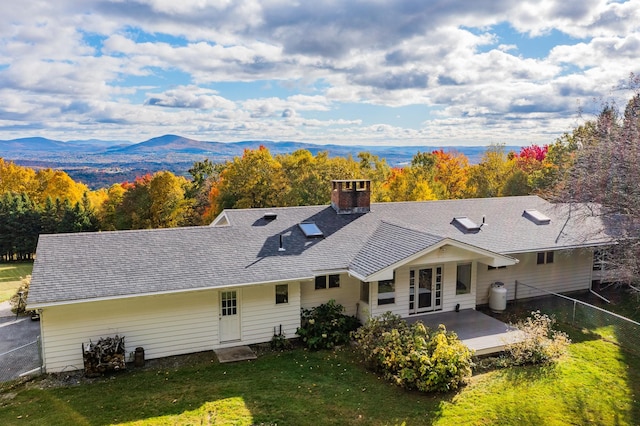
column 317, row 71
column 190, row 97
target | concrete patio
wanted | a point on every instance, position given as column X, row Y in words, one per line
column 480, row 332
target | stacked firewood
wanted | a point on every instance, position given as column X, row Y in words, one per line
column 103, row 357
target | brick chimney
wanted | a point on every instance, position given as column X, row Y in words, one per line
column 351, row 196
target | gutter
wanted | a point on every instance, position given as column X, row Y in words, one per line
column 159, row 293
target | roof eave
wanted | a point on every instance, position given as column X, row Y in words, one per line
column 567, row 247
column 159, row 293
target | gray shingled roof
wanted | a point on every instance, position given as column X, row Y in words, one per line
column 84, row 266
column 388, row 245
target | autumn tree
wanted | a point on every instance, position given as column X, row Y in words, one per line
column 203, row 174
column 57, row 185
column 487, row 178
column 110, row 215
column 606, row 171
column 424, row 169
column 451, row 173
column 525, row 164
column 378, row 172
column 167, row 197
column 254, row 180
column 407, row 184
column 558, row 160
column 16, row 179
column 134, row 211
column 306, row 178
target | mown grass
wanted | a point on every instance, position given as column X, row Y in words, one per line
column 11, row 275
column 596, row 383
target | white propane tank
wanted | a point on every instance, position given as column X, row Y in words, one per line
column 498, row 297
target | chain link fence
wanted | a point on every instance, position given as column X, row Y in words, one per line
column 19, row 361
column 580, row 314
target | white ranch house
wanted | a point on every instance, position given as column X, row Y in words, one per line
column 183, row 290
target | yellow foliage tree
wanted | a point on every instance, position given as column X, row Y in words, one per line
column 407, row 184
column 254, row 180
column 452, row 173
column 168, row 203
column 107, row 212
column 57, row 185
column 487, row 178
column 16, row 179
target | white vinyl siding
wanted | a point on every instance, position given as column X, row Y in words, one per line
column 570, row 271
column 347, row 294
column 449, row 297
column 260, row 313
column 163, row 325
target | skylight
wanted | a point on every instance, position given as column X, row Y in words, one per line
column 466, row 224
column 536, row 217
column 310, row 230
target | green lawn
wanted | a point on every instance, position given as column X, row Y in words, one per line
column 10, row 276
column 596, row 383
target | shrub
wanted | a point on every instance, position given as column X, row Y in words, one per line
column 18, row 301
column 325, row 326
column 412, row 356
column 541, row 343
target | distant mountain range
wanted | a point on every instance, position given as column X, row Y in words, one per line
column 100, row 163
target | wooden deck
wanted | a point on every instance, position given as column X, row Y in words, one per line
column 480, row 332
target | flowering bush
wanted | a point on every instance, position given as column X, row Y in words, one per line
column 325, row 326
column 412, row 356
column 541, row 344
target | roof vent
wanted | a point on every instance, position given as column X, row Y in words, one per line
column 270, row 216
column 465, row 224
column 536, row 217
column 310, row 230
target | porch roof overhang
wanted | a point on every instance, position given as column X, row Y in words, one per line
column 475, row 253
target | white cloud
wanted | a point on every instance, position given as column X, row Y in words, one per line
column 280, row 69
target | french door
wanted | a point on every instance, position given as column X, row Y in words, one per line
column 425, row 289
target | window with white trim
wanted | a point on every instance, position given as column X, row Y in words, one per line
column 282, row 293
column 364, row 292
column 544, row 257
column 463, row 278
column 386, row 292
column 327, row 281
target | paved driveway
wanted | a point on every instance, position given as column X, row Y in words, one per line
column 18, row 352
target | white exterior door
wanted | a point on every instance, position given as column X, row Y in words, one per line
column 229, row 316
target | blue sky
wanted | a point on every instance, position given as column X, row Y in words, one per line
column 412, row 72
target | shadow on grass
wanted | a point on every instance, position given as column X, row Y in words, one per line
column 294, row 387
column 632, row 360
column 584, row 324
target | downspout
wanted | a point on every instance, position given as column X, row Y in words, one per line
column 601, row 297
column 41, row 342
